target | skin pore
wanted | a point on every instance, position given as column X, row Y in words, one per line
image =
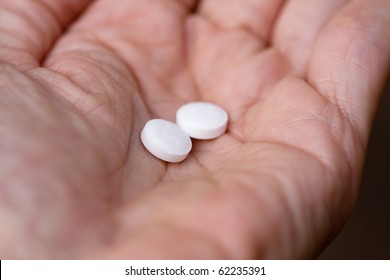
column 79, row 79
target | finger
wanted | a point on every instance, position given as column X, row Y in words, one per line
column 298, row 27
column 255, row 16
column 229, row 36
column 142, row 39
column 351, row 61
column 29, row 28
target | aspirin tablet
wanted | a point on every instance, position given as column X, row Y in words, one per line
column 166, row 140
column 202, row 120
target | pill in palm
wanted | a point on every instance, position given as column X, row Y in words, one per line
column 166, row 140
column 202, row 120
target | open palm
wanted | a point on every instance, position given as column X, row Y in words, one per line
column 300, row 81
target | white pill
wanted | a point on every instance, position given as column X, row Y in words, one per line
column 166, row 140
column 202, row 120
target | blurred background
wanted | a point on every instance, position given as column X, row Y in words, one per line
column 367, row 234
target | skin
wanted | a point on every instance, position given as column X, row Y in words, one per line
column 79, row 79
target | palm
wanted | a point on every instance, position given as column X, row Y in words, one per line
column 259, row 190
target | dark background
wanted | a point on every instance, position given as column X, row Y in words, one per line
column 367, row 233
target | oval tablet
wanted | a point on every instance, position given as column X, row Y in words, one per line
column 202, row 120
column 166, row 140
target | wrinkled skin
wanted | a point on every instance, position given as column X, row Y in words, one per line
column 78, row 80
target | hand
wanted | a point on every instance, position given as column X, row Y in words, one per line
column 300, row 81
